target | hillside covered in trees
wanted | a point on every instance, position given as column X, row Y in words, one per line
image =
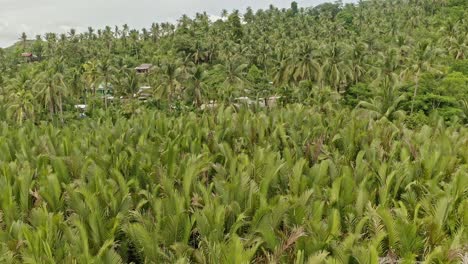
column 395, row 55
column 330, row 134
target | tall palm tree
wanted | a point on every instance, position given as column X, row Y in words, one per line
column 90, row 75
column 305, row 63
column 458, row 46
column 232, row 74
column 155, row 31
column 21, row 106
column 422, row 61
column 105, row 71
column 24, row 39
column 73, row 77
column 385, row 103
column 197, row 81
column 169, row 82
column 336, row 67
column 359, row 63
column 51, row 91
column 388, row 64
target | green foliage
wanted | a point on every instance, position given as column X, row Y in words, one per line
column 357, row 93
column 294, row 8
column 460, row 66
column 290, row 52
column 333, row 134
column 206, row 188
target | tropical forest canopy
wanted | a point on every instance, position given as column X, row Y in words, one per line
column 360, row 158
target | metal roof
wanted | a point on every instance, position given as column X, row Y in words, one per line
column 145, row 66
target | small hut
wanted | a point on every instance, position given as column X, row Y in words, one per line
column 212, row 104
column 29, row 57
column 144, row 68
column 105, row 91
column 144, row 93
column 272, row 101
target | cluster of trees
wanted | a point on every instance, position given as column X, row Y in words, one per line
column 418, row 48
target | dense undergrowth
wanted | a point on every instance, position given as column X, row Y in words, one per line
column 294, row 185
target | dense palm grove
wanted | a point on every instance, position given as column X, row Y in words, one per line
column 362, row 160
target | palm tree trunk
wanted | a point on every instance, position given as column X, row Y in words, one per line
column 20, row 116
column 198, row 96
column 105, row 90
column 61, row 108
column 51, row 103
column 170, row 95
column 51, row 110
column 85, row 95
column 415, row 94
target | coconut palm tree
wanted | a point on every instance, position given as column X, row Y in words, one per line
column 423, row 61
column 24, row 39
column 305, row 64
column 386, row 102
column 105, row 70
column 169, row 82
column 91, row 75
column 336, row 67
column 21, row 106
column 197, row 80
column 51, row 91
column 232, row 76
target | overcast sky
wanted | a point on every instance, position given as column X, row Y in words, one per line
column 40, row 16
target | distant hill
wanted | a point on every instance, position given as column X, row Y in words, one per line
column 19, row 45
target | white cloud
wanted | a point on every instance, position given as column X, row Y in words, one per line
column 40, row 16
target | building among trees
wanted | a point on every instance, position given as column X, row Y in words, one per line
column 29, row 57
column 144, row 68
